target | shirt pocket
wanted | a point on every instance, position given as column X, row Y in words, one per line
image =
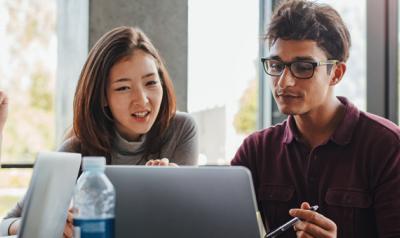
column 349, row 209
column 275, row 202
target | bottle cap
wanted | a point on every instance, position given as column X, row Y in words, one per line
column 93, row 163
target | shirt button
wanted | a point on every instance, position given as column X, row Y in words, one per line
column 312, row 179
column 347, row 198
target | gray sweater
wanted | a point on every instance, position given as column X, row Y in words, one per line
column 181, row 148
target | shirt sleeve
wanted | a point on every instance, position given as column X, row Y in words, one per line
column 247, row 156
column 70, row 145
column 241, row 156
column 13, row 215
column 187, row 150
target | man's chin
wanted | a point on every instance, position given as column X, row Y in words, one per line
column 288, row 111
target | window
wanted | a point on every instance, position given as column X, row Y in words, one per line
column 27, row 69
column 13, row 185
column 223, row 74
column 353, row 85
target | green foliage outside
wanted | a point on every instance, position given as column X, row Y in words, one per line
column 245, row 120
column 30, row 53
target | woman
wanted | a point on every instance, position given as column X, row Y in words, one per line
column 124, row 110
column 124, row 106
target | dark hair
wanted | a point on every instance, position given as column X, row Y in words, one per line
column 306, row 20
column 93, row 124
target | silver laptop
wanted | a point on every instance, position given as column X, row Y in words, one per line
column 212, row 202
column 49, row 194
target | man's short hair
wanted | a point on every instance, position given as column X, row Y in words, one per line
column 306, row 20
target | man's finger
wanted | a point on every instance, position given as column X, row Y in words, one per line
column 312, row 229
column 303, row 234
column 305, row 205
column 313, row 217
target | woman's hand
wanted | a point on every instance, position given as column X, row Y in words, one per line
column 69, row 227
column 14, row 227
column 312, row 223
column 161, row 162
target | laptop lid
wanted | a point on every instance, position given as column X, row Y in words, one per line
column 49, row 194
column 184, row 202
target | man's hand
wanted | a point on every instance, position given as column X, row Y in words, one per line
column 69, row 227
column 312, row 224
column 161, row 162
column 3, row 109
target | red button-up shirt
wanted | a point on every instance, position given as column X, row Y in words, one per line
column 354, row 177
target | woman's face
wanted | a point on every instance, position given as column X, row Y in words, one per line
column 134, row 94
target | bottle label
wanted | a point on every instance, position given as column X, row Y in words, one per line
column 94, row 228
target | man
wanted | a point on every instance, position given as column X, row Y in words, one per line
column 327, row 153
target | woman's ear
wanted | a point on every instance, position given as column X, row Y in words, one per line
column 338, row 72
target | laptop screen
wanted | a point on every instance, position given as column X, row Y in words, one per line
column 49, row 194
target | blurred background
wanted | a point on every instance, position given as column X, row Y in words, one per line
column 212, row 50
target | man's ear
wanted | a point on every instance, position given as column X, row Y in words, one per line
column 338, row 71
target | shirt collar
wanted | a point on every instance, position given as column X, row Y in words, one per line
column 342, row 134
column 291, row 131
column 122, row 145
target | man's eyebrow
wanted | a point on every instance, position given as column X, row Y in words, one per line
column 275, row 57
column 297, row 58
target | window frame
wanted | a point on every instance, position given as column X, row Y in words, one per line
column 382, row 58
column 17, row 165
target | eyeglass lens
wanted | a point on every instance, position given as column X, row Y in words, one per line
column 299, row 69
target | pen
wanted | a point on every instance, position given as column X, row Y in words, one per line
column 287, row 225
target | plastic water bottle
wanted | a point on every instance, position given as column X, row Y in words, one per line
column 93, row 201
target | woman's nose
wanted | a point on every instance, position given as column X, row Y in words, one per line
column 139, row 97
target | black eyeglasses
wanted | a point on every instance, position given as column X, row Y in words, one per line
column 299, row 69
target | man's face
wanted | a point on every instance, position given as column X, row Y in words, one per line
column 293, row 95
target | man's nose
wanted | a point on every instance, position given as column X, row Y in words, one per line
column 286, row 79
